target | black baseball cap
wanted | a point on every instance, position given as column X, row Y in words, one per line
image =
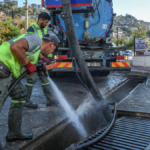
column 52, row 38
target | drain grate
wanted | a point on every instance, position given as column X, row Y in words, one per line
column 128, row 133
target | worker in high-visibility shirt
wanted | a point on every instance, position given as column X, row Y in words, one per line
column 39, row 29
column 16, row 55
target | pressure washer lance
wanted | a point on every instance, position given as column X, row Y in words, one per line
column 44, row 67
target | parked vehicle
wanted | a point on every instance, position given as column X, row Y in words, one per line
column 113, row 45
column 128, row 53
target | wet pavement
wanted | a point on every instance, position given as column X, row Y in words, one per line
column 44, row 118
column 140, row 69
column 137, row 102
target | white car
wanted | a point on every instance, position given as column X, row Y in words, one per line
column 128, row 53
column 113, row 45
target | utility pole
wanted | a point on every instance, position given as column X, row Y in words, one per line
column 117, row 36
column 134, row 45
column 26, row 22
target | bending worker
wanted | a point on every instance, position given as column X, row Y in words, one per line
column 16, row 55
column 39, row 29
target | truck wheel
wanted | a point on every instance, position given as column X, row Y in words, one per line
column 51, row 74
column 100, row 73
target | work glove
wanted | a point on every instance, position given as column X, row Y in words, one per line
column 47, row 60
column 30, row 67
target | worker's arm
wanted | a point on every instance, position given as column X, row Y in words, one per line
column 41, row 56
column 19, row 49
column 45, row 59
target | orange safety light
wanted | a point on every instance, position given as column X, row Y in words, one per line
column 55, row 57
column 126, row 57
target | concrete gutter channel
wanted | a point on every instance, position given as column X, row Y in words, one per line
column 63, row 134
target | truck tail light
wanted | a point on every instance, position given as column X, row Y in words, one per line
column 60, row 57
column 119, row 57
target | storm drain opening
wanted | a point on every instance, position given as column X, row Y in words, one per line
column 123, row 134
column 128, row 133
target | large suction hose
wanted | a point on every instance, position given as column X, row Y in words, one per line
column 76, row 51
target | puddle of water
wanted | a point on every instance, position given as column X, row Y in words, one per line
column 70, row 112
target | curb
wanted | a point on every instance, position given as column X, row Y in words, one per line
column 140, row 71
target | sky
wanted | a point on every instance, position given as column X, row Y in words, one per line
column 140, row 9
column 20, row 2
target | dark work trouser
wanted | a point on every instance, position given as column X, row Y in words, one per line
column 45, row 85
column 18, row 95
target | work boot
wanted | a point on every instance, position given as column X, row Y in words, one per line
column 14, row 125
column 29, row 103
column 47, row 93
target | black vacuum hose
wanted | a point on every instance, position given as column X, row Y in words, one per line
column 15, row 82
column 75, row 63
column 21, row 77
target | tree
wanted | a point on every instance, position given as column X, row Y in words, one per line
column 31, row 21
column 34, row 10
column 129, row 32
column 125, row 29
column 140, row 33
column 8, row 31
column 21, row 24
column 30, row 10
column 148, row 33
column 8, row 19
column 9, row 3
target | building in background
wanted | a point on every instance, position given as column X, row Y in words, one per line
column 40, row 7
column 37, row 6
column 114, row 34
column 5, row 2
column 1, row 2
column 14, row 1
column 33, row 6
column 148, row 27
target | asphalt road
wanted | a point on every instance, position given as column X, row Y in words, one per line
column 42, row 119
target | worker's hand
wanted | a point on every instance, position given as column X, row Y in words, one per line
column 43, row 68
column 30, row 67
column 47, row 60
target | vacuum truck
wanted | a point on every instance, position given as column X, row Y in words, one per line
column 93, row 20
